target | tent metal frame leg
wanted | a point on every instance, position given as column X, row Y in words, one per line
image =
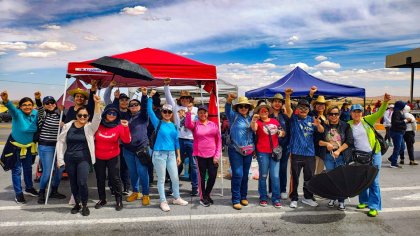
column 59, row 130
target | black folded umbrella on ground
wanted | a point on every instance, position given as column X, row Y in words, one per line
column 343, row 181
column 122, row 68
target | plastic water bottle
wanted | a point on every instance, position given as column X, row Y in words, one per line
column 186, row 167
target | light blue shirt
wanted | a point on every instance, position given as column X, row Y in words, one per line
column 23, row 126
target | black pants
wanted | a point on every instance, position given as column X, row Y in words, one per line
column 409, row 138
column 124, row 175
column 113, row 166
column 206, row 165
column 78, row 170
column 297, row 163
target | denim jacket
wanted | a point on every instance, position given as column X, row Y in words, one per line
column 240, row 127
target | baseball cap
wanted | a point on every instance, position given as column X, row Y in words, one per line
column 123, row 95
column 48, row 98
column 303, row 102
column 356, row 107
column 167, row 107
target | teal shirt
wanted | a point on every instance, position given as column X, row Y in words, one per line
column 167, row 137
column 23, row 126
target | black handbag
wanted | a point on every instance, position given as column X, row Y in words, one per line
column 144, row 156
column 363, row 158
column 277, row 152
column 384, row 145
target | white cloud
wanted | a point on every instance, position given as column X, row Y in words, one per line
column 58, row 46
column 185, row 53
column 321, row 58
column 361, row 71
column 328, row 65
column 3, row 53
column 91, row 38
column 330, row 72
column 53, row 27
column 13, row 46
column 292, row 40
column 302, row 65
column 137, row 10
column 270, row 59
column 37, row 54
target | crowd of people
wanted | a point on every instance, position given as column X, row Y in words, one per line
column 130, row 139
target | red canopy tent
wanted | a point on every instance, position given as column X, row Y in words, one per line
column 161, row 64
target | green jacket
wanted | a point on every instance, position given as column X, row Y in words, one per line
column 371, row 119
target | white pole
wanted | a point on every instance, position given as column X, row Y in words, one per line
column 59, row 130
column 220, row 131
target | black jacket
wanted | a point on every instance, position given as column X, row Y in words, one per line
column 346, row 134
column 397, row 122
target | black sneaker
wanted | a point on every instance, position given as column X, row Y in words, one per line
column 100, row 204
column 20, row 199
column 125, row 192
column 402, row 162
column 112, row 192
column 210, row 200
column 76, row 209
column 204, row 202
column 85, row 211
column 32, row 192
column 57, row 195
column 194, row 193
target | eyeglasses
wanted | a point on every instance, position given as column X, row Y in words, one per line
column 112, row 113
column 303, row 108
column 26, row 105
column 49, row 103
column 82, row 115
column 243, row 107
column 334, row 114
column 134, row 105
column 166, row 112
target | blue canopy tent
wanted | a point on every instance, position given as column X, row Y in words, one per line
column 301, row 82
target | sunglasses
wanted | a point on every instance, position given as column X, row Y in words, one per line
column 49, row 103
column 134, row 105
column 166, row 112
column 303, row 108
column 243, row 106
column 112, row 113
column 334, row 114
column 82, row 115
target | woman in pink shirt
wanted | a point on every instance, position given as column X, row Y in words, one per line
column 207, row 148
column 107, row 152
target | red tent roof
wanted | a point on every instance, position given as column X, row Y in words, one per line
column 161, row 64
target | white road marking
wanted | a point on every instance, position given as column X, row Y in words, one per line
column 288, row 212
column 412, row 197
column 388, row 189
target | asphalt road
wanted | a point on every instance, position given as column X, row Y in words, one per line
column 400, row 214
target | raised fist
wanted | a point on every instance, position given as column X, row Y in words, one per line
column 143, row 90
column 97, row 99
column 113, row 83
column 124, row 123
column 288, row 91
column 167, row 81
column 255, row 117
column 4, row 96
column 37, row 95
column 232, row 96
column 387, row 97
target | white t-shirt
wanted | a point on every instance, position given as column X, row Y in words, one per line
column 361, row 141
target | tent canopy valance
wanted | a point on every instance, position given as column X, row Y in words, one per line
column 301, row 82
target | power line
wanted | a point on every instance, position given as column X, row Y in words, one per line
column 21, row 82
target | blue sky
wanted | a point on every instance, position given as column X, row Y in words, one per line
column 252, row 43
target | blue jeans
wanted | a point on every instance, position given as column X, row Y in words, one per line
column 26, row 165
column 330, row 164
column 398, row 141
column 266, row 164
column 162, row 161
column 283, row 170
column 372, row 195
column 138, row 172
column 46, row 156
column 186, row 148
column 240, row 168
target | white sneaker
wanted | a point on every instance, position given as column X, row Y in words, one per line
column 293, row 204
column 309, row 202
column 164, row 206
column 180, row 201
column 284, row 195
column 332, row 203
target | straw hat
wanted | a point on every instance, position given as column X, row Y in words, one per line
column 277, row 96
column 320, row 100
column 263, row 105
column 73, row 92
column 184, row 94
column 243, row 101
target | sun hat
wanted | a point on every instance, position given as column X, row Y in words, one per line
column 320, row 100
column 243, row 101
column 184, row 94
column 277, row 96
column 356, row 107
column 167, row 107
column 263, row 105
column 75, row 91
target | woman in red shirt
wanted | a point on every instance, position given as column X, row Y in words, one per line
column 107, row 152
column 264, row 128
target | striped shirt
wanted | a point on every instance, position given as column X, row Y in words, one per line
column 48, row 123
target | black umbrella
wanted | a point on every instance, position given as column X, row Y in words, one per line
column 122, row 68
column 343, row 181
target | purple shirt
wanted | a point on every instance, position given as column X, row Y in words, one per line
column 207, row 141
